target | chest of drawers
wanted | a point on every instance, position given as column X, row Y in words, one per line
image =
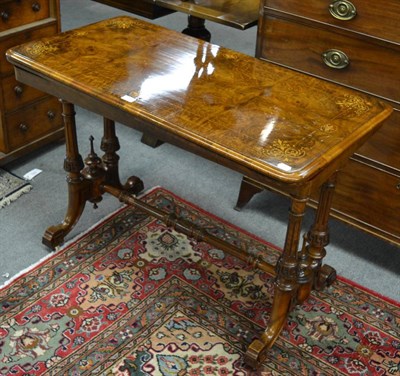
column 356, row 44
column 28, row 117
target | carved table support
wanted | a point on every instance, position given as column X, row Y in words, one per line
column 296, row 272
column 110, row 146
column 84, row 182
column 318, row 237
column 77, row 188
column 285, row 285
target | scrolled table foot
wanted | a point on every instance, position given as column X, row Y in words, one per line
column 54, row 235
column 255, row 354
column 258, row 349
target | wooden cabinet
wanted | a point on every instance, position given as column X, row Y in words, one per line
column 357, row 44
column 28, row 117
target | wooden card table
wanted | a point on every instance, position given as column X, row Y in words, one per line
column 289, row 131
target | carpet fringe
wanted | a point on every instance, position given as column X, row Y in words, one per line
column 15, row 195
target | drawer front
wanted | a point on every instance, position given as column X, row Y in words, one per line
column 376, row 18
column 369, row 67
column 16, row 94
column 21, row 12
column 384, row 146
column 368, row 198
column 22, row 37
column 32, row 122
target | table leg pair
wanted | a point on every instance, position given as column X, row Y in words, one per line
column 296, row 273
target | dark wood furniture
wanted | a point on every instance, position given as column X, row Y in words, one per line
column 228, row 107
column 239, row 14
column 356, row 44
column 28, row 118
column 144, row 8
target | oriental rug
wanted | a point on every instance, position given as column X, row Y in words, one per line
column 133, row 297
column 11, row 188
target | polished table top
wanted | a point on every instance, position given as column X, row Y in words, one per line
column 280, row 123
column 240, row 14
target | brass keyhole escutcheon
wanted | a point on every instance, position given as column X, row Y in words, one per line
column 343, row 10
column 335, row 59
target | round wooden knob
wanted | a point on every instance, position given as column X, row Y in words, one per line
column 5, row 15
column 36, row 7
column 18, row 90
column 23, row 128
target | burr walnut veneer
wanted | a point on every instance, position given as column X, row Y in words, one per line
column 285, row 129
column 355, row 43
column 28, row 118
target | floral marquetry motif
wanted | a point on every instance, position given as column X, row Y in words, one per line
column 41, row 48
column 353, row 105
column 285, row 151
column 123, row 24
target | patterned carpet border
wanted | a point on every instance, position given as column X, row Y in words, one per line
column 132, row 297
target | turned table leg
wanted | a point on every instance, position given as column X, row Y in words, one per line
column 77, row 187
column 86, row 180
column 286, row 285
column 110, row 146
column 318, row 238
column 312, row 273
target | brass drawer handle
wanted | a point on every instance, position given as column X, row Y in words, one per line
column 398, row 186
column 18, row 90
column 5, row 15
column 36, row 7
column 342, row 10
column 23, row 128
column 51, row 115
column 335, row 59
